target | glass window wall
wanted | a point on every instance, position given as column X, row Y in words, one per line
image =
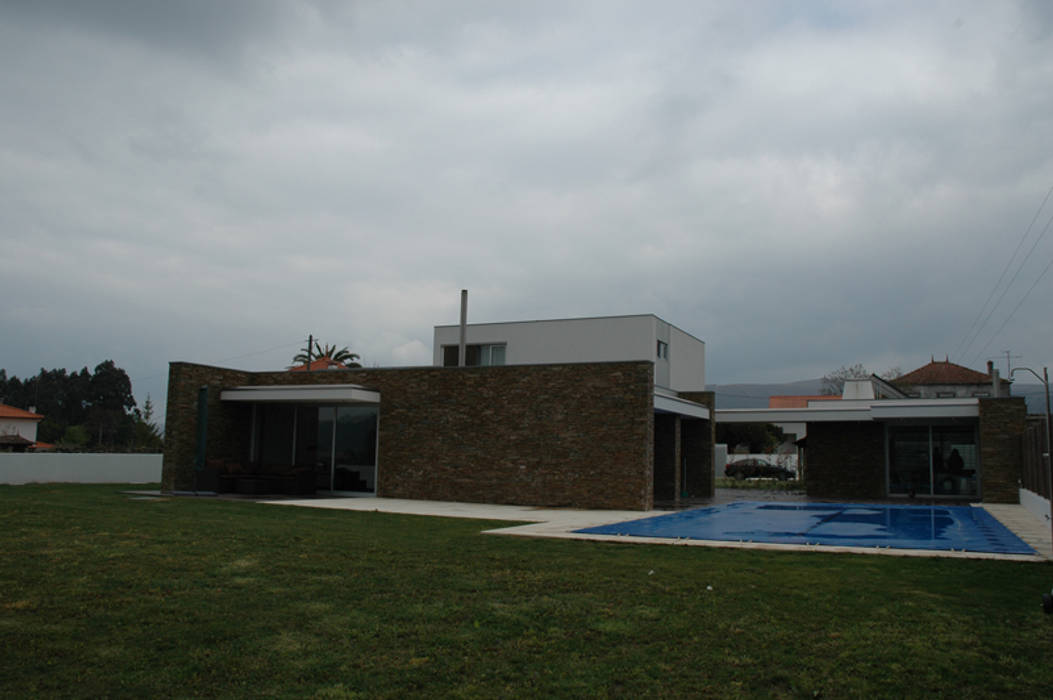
column 933, row 461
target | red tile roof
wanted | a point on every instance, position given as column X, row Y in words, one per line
column 945, row 372
column 323, row 363
column 12, row 412
column 798, row 401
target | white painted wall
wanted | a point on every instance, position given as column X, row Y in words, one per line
column 603, row 339
column 77, row 468
column 687, row 361
column 1036, row 504
column 19, row 426
column 788, row 461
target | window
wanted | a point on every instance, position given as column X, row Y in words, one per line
column 933, row 461
column 475, row 355
column 663, row 349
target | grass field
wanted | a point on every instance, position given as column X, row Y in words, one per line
column 104, row 595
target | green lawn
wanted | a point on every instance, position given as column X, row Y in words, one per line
column 104, row 595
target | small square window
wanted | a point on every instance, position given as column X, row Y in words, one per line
column 663, row 349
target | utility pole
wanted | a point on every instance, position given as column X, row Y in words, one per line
column 1049, row 438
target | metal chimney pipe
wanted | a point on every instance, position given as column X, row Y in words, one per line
column 463, row 349
column 996, row 384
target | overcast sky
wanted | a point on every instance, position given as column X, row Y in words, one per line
column 800, row 184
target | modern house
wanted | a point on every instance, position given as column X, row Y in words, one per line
column 18, row 428
column 907, row 439
column 601, row 412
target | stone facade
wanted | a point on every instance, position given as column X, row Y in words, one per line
column 1002, row 426
column 549, row 435
column 846, row 460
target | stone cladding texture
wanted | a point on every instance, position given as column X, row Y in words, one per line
column 845, row 460
column 577, row 435
column 1002, row 426
column 227, row 424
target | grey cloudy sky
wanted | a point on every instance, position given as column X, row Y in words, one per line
column 800, row 184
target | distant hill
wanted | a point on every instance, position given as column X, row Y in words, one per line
column 1035, row 394
column 756, row 395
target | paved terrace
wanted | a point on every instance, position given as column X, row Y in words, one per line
column 562, row 522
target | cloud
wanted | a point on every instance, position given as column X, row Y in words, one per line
column 800, row 186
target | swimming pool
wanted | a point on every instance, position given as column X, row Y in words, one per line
column 961, row 528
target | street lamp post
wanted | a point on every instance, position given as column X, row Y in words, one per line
column 1049, row 464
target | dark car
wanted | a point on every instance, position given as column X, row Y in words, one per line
column 756, row 468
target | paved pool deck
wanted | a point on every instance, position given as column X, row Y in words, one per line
column 561, row 523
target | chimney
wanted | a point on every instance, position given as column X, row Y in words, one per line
column 990, row 366
column 996, row 382
column 462, row 350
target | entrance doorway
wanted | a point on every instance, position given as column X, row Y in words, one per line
column 933, row 460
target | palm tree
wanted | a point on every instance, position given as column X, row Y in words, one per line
column 341, row 356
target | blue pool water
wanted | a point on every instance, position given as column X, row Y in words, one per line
column 842, row 524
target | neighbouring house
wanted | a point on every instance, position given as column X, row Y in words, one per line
column 18, row 428
column 946, row 380
column 596, row 413
column 910, row 437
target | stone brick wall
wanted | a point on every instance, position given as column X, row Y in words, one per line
column 1001, row 434
column 845, row 460
column 227, row 423
column 550, row 435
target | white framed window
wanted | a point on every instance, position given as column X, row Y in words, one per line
column 476, row 355
column 663, row 350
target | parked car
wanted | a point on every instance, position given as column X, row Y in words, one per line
column 753, row 468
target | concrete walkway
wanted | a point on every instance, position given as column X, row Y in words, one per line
column 562, row 522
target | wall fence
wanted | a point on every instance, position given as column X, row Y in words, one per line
column 79, row 468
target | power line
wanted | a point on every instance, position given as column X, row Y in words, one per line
column 228, row 359
column 964, row 346
column 1019, row 303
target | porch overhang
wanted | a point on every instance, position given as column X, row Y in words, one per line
column 302, row 394
column 856, row 411
column 683, row 407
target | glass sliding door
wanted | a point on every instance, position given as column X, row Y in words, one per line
column 355, row 449
column 908, row 461
column 275, row 435
column 323, row 461
column 337, row 443
column 933, row 461
column 954, row 462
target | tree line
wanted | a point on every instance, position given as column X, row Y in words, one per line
column 85, row 410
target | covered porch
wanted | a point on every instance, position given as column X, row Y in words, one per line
column 303, row 439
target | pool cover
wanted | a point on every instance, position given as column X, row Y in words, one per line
column 957, row 528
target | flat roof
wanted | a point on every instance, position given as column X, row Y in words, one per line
column 671, row 404
column 317, row 393
column 855, row 411
column 577, row 318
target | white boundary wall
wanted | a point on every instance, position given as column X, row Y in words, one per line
column 87, row 468
column 1035, row 503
